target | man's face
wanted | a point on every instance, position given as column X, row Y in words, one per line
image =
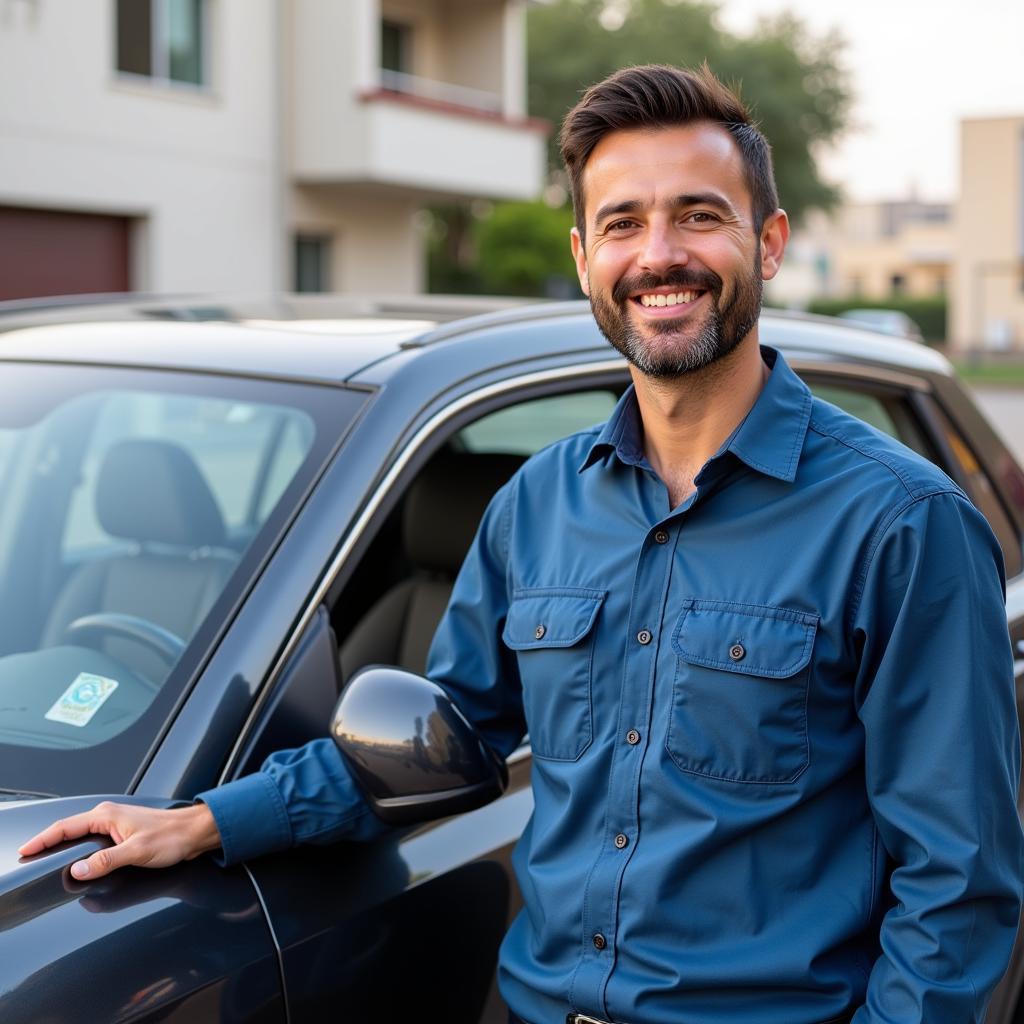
column 671, row 262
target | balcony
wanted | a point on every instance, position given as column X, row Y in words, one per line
column 458, row 98
column 448, row 123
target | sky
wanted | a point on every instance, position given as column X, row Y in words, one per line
column 917, row 67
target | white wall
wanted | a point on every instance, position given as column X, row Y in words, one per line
column 198, row 165
column 376, row 247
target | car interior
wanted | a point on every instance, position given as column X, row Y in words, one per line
column 390, row 608
column 151, row 494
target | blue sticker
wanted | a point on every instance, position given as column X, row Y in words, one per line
column 82, row 699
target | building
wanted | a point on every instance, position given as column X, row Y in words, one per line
column 869, row 251
column 897, row 248
column 987, row 300
column 247, row 146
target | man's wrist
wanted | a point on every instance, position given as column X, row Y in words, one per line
column 201, row 828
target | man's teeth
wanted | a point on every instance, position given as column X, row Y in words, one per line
column 672, row 299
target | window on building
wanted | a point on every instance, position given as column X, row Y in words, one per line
column 163, row 39
column 312, row 263
column 396, row 47
column 898, row 284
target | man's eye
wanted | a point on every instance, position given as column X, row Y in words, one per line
column 620, row 225
column 700, row 217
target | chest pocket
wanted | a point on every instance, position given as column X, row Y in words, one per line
column 739, row 697
column 551, row 629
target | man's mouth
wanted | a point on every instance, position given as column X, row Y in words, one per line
column 677, row 300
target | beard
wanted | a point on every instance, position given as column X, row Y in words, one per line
column 675, row 347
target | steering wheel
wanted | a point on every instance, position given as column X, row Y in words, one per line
column 161, row 641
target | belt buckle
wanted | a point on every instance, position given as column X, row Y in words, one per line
column 582, row 1018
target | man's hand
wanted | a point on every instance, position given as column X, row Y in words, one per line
column 145, row 836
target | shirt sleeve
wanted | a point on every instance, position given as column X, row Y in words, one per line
column 308, row 795
column 935, row 694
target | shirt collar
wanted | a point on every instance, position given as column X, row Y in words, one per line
column 769, row 440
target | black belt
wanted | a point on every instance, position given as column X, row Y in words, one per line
column 582, row 1018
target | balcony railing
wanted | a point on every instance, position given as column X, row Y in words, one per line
column 440, row 92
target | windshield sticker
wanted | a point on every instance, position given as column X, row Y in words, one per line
column 82, row 699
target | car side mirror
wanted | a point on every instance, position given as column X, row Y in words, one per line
column 411, row 750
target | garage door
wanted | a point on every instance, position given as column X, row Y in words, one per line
column 50, row 252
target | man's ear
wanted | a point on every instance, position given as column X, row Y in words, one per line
column 774, row 236
column 579, row 256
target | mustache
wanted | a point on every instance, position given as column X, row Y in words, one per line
column 681, row 278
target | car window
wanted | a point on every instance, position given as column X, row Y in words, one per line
column 236, row 446
column 525, row 428
column 981, row 491
column 134, row 508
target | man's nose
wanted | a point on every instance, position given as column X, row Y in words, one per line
column 661, row 249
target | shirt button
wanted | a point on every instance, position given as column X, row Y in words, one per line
column 661, row 536
column 538, row 633
column 621, row 841
column 599, row 941
column 644, row 636
column 632, row 737
column 737, row 652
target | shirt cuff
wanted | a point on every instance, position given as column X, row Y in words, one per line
column 251, row 818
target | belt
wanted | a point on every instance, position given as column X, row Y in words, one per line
column 582, row 1018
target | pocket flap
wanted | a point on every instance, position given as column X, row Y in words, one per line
column 754, row 639
column 550, row 617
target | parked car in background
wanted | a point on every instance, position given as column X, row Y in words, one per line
column 210, row 518
column 888, row 321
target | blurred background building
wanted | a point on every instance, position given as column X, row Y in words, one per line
column 250, row 145
column 987, row 293
column 386, row 146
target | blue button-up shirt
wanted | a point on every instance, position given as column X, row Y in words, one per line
column 775, row 750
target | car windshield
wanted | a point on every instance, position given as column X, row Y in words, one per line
column 135, row 507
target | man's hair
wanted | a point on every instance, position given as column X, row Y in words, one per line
column 659, row 96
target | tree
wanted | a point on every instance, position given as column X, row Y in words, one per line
column 523, row 249
column 793, row 81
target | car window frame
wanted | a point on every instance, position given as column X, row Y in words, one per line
column 420, row 445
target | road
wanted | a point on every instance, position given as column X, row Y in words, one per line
column 1005, row 409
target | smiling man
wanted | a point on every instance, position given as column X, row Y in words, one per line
column 760, row 649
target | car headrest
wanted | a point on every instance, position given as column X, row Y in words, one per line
column 153, row 492
column 445, row 503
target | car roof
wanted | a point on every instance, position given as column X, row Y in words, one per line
column 336, row 339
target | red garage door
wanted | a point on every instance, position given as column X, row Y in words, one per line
column 48, row 252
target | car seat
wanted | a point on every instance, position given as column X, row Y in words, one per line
column 440, row 516
column 152, row 493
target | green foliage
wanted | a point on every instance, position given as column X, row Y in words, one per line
column 793, row 81
column 523, row 249
column 928, row 313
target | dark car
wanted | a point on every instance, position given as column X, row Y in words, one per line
column 208, row 522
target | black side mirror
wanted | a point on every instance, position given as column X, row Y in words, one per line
column 411, row 750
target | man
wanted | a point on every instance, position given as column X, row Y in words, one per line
column 760, row 648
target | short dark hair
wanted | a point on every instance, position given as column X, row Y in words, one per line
column 659, row 96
